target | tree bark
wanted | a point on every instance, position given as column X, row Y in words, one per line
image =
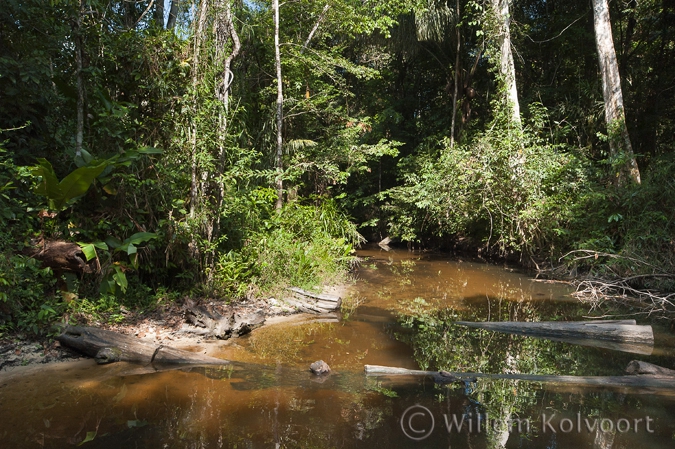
column 195, row 78
column 228, row 76
column 507, row 68
column 129, row 13
column 318, row 23
column 79, row 133
column 107, row 347
column 173, row 14
column 638, row 367
column 456, row 90
column 619, row 141
column 159, row 13
column 619, row 331
column 226, row 32
column 280, row 110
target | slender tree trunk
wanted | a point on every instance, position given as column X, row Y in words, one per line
column 506, row 66
column 318, row 23
column 173, row 14
column 159, row 13
column 280, row 109
column 619, row 140
column 129, row 13
column 228, row 76
column 79, row 133
column 227, row 32
column 456, row 90
column 195, row 79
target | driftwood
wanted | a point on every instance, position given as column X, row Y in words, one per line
column 645, row 368
column 646, row 382
column 313, row 302
column 107, row 347
column 63, row 256
column 621, row 335
column 208, row 321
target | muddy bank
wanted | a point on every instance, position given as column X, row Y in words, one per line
column 182, row 325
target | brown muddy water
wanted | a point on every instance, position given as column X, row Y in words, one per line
column 403, row 307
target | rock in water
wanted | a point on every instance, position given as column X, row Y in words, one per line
column 319, row 367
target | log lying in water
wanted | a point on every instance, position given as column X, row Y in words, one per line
column 313, row 302
column 646, row 368
column 651, row 382
column 621, row 335
column 107, row 347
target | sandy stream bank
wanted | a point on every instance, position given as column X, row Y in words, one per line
column 166, row 325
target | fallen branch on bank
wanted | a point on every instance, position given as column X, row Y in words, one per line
column 108, row 347
column 309, row 302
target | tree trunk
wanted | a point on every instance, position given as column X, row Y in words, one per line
column 159, row 13
column 195, row 79
column 129, row 13
column 507, row 68
column 280, row 109
column 228, row 76
column 226, row 31
column 173, row 13
column 619, row 140
column 456, row 90
column 79, row 133
column 320, row 20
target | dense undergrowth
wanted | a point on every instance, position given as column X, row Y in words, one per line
column 133, row 141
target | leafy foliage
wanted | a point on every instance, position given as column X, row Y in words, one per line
column 170, row 188
column 508, row 189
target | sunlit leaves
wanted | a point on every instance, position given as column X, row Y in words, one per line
column 73, row 186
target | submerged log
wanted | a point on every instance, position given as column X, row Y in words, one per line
column 107, row 347
column 622, row 335
column 313, row 302
column 646, row 368
column 651, row 382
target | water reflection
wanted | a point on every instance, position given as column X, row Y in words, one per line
column 408, row 303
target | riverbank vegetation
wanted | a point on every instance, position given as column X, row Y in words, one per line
column 225, row 149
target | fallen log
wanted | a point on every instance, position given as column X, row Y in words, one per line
column 207, row 320
column 107, row 347
column 645, row 368
column 313, row 302
column 622, row 335
column 650, row 382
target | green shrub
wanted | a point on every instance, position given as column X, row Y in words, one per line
column 27, row 301
column 301, row 245
column 508, row 189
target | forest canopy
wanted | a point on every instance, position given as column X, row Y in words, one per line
column 226, row 149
